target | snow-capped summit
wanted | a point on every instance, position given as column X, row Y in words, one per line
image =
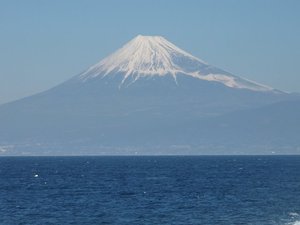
column 146, row 56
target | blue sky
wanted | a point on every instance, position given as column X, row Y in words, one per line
column 43, row 43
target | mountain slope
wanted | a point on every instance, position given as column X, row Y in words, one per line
column 273, row 128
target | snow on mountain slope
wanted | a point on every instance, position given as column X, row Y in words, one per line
column 147, row 56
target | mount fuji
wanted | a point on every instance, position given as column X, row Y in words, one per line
column 148, row 97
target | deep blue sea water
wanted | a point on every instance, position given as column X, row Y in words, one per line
column 209, row 190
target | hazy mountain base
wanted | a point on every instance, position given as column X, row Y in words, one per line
column 272, row 129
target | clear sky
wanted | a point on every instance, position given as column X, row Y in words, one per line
column 45, row 42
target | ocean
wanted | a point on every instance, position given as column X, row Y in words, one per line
column 208, row 190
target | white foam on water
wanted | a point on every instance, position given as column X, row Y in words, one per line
column 294, row 219
column 295, row 223
column 294, row 216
